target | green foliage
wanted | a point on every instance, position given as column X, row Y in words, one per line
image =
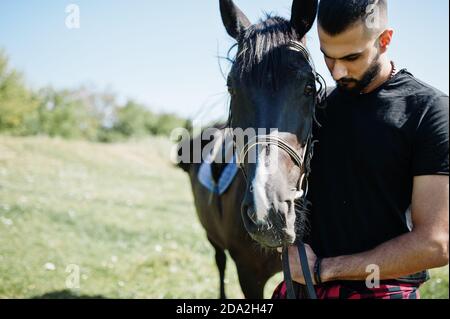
column 16, row 101
column 134, row 120
column 166, row 123
column 63, row 114
column 75, row 114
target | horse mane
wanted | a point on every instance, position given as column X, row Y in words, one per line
column 260, row 51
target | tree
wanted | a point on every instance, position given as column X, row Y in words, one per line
column 16, row 101
column 66, row 114
column 133, row 120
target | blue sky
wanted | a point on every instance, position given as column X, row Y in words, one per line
column 163, row 53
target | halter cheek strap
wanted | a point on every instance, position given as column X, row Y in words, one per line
column 322, row 90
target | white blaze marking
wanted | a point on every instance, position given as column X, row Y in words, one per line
column 259, row 187
column 266, row 165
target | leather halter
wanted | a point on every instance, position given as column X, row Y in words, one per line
column 303, row 162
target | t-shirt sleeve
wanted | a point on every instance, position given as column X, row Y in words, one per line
column 431, row 145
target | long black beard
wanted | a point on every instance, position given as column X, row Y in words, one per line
column 372, row 72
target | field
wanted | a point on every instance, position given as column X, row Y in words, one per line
column 118, row 215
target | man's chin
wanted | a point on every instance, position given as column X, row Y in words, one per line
column 352, row 89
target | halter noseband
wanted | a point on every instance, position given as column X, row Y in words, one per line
column 301, row 160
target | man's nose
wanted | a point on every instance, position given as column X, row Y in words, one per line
column 339, row 71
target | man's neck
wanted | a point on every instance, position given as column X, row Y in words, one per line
column 383, row 76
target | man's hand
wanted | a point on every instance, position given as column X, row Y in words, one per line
column 296, row 267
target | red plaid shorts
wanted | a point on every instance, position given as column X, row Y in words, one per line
column 357, row 290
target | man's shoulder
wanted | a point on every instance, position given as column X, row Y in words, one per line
column 404, row 88
column 404, row 94
column 412, row 88
column 405, row 84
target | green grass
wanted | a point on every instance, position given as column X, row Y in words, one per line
column 122, row 213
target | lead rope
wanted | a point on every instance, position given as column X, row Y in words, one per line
column 287, row 275
column 307, row 156
column 306, row 273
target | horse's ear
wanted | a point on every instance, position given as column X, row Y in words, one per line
column 303, row 15
column 233, row 18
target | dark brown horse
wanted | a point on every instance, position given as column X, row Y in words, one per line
column 272, row 88
column 221, row 218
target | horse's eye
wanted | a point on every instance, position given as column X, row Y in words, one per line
column 309, row 90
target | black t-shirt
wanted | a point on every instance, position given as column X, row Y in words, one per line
column 370, row 148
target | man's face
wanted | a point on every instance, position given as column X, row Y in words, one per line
column 352, row 57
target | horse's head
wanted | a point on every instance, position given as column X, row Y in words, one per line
column 273, row 93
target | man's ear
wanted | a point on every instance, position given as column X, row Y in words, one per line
column 303, row 15
column 385, row 39
column 233, row 18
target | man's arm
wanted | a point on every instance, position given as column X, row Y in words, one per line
column 426, row 247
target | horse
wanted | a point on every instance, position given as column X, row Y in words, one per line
column 272, row 85
column 219, row 214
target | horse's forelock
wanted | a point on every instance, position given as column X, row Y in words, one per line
column 257, row 49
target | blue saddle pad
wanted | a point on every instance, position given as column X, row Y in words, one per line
column 226, row 178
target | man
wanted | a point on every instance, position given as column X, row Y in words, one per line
column 379, row 183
